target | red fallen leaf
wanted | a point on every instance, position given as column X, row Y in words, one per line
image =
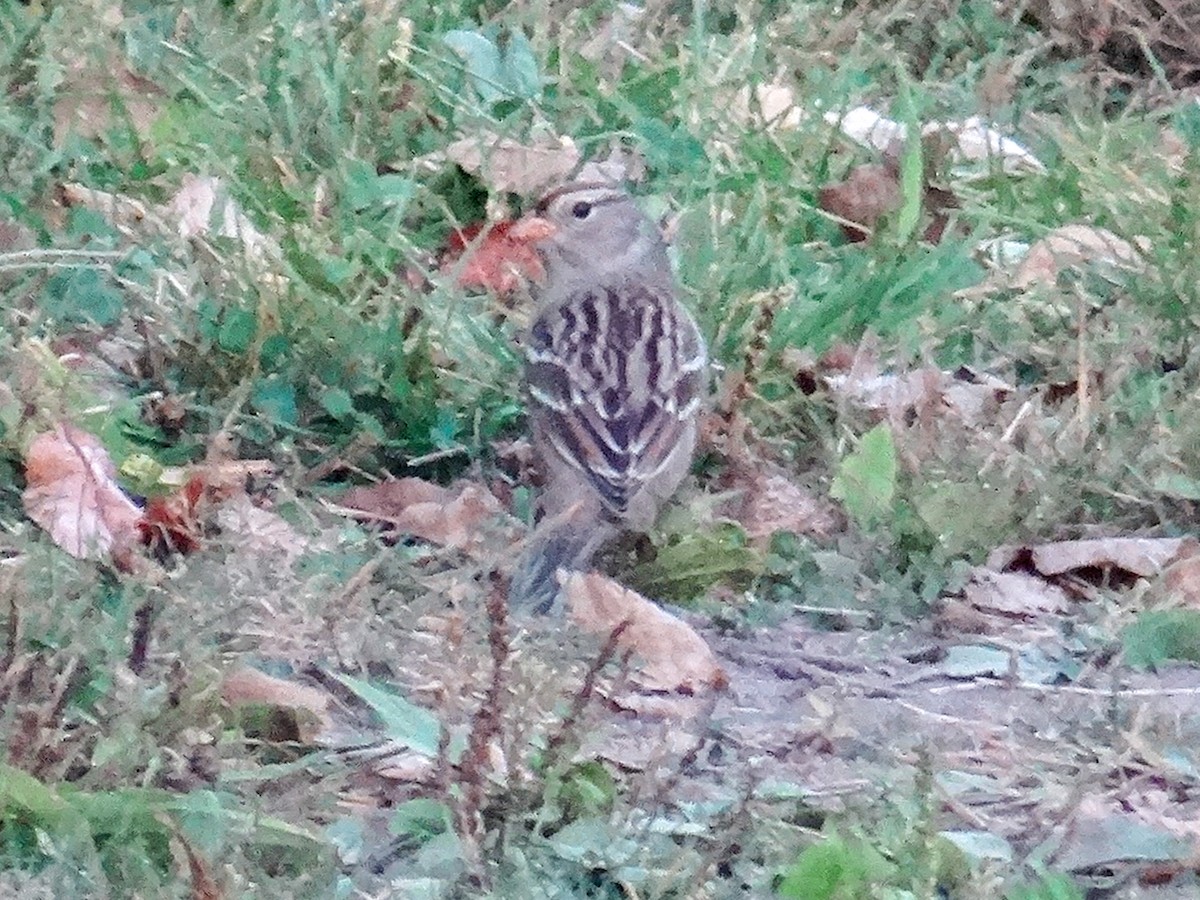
column 72, row 493
column 172, row 523
column 176, row 523
column 499, row 261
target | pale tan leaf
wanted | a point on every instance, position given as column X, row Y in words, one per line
column 202, row 206
column 258, row 530
column 773, row 106
column 451, row 517
column 1141, row 557
column 1015, row 594
column 73, row 494
column 1074, row 245
column 771, row 502
column 675, row 656
column 508, row 166
column 868, row 128
column 976, row 141
column 1181, row 580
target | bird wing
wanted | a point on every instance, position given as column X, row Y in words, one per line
column 615, row 377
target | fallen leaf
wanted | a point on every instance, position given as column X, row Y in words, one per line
column 508, row 166
column 492, row 257
column 973, row 140
column 1014, row 594
column 258, row 530
column 177, row 522
column 1140, row 557
column 172, row 524
column 976, row 141
column 73, row 494
column 771, row 106
column 202, row 207
column 868, row 193
column 1101, row 834
column 675, row 656
column 871, row 192
column 1181, row 580
column 1070, row 246
column 771, row 502
column 866, row 127
column 441, row 515
column 248, row 685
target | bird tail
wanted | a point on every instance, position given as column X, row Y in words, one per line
column 565, row 541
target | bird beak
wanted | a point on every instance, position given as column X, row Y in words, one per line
column 532, row 229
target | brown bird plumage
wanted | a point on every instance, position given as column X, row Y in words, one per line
column 615, row 368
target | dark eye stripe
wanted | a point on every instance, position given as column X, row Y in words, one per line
column 613, row 195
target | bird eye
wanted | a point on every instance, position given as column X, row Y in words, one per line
column 581, row 210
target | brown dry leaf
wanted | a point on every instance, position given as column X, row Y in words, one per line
column 1141, row 557
column 499, row 259
column 249, row 685
column 869, row 193
column 676, row 657
column 72, row 493
column 965, row 394
column 771, row 502
column 508, row 166
column 1181, row 580
column 442, row 515
column 177, row 522
column 1074, row 245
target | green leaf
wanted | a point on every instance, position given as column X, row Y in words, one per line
column 912, row 168
column 421, row 818
column 237, row 331
column 41, row 803
column 405, row 722
column 1161, row 635
column 866, row 479
column 1178, row 485
column 520, row 67
column 482, row 60
column 965, row 515
column 276, row 399
column 687, row 566
column 337, row 402
column 81, row 295
column 830, row 870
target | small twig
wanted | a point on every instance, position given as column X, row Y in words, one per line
column 583, row 696
column 143, row 619
column 485, row 726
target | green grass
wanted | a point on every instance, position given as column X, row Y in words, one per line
column 327, row 124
